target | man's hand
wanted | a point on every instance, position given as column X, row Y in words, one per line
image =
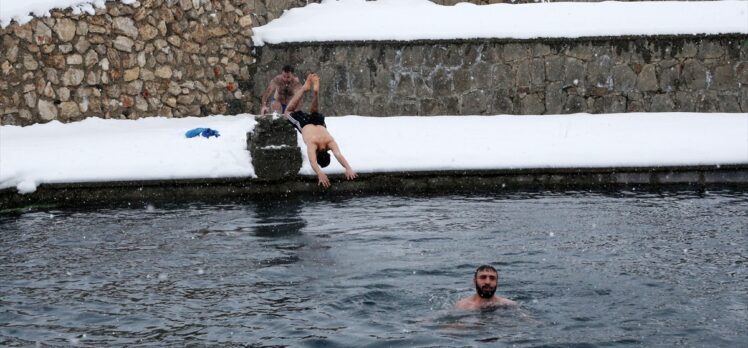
column 263, row 110
column 350, row 174
column 323, row 180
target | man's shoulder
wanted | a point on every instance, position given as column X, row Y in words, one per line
column 504, row 301
column 466, row 303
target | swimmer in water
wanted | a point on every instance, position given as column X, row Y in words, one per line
column 486, row 280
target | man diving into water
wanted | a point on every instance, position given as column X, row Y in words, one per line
column 314, row 131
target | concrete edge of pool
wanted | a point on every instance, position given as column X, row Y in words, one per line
column 456, row 181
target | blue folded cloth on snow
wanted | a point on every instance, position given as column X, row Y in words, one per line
column 206, row 132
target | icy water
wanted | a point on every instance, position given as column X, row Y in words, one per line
column 610, row 269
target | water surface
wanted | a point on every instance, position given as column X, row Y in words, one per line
column 588, row 269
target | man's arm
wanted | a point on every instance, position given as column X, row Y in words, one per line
column 311, row 151
column 265, row 95
column 349, row 173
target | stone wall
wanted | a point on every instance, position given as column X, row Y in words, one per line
column 155, row 57
column 195, row 57
column 485, row 77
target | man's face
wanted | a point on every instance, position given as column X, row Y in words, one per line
column 485, row 283
column 287, row 76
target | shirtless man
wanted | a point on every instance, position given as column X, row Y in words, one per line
column 282, row 88
column 314, row 131
column 486, row 282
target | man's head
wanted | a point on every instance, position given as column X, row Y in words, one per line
column 323, row 158
column 486, row 280
column 287, row 73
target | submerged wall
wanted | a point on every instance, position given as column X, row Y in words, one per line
column 485, row 77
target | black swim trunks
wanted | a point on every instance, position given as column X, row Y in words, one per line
column 299, row 119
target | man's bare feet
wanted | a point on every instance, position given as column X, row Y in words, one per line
column 315, row 83
column 308, row 83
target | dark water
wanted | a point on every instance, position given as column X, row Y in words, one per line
column 589, row 270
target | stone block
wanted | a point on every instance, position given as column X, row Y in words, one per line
column 481, row 74
column 711, row 49
column 532, row 104
column 515, row 51
column 725, row 177
column 42, row 33
column 574, row 104
column 65, row 29
column 555, row 98
column 274, row 149
column 537, row 73
column 503, row 77
column 463, row 81
column 72, row 77
column 69, row 110
column 442, row 83
column 693, row 75
column 670, row 77
column 662, row 103
column 502, row 104
column 74, row 59
column 624, row 78
column 554, row 68
column 725, row 78
column 647, row 79
column 575, row 72
column 123, row 43
column 47, row 110
column 728, row 103
column 148, row 32
column 474, row 103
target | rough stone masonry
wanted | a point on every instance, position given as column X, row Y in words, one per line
column 487, row 77
column 151, row 58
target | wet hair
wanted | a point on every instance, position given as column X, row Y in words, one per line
column 323, row 158
column 287, row 68
column 484, row 268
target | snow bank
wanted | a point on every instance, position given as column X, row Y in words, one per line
column 96, row 150
column 404, row 20
column 23, row 11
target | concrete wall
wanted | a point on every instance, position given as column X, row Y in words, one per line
column 651, row 74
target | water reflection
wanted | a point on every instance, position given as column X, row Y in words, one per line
column 279, row 219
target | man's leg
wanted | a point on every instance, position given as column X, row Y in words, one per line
column 294, row 102
column 315, row 94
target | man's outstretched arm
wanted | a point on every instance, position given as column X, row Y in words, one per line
column 311, row 152
column 349, row 173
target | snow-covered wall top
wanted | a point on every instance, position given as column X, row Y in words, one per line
column 25, row 10
column 404, row 20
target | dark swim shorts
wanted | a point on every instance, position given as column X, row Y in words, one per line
column 299, row 119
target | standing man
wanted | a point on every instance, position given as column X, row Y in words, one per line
column 486, row 281
column 314, row 131
column 282, row 88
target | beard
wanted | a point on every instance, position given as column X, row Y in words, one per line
column 485, row 292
